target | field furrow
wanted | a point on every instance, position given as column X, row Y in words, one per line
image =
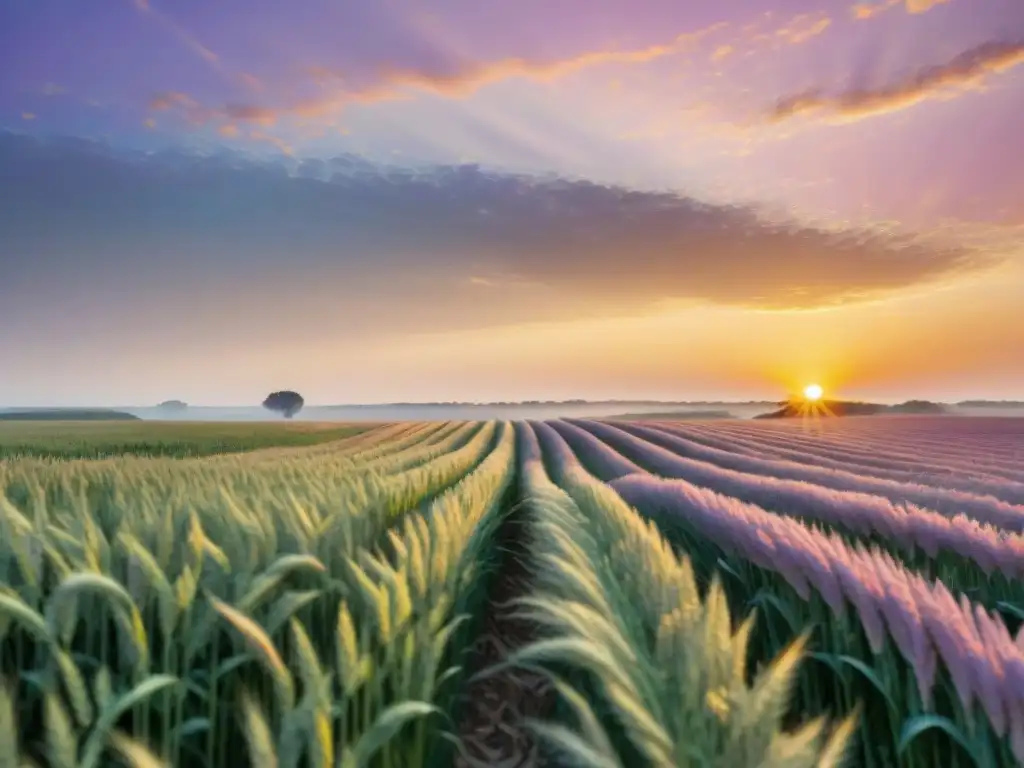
column 892, row 451
column 870, row 455
column 939, row 476
column 655, row 673
column 802, row 496
column 958, row 656
column 727, row 594
column 968, row 496
column 943, row 436
column 350, row 590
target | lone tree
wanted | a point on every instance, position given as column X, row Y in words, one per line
column 286, row 403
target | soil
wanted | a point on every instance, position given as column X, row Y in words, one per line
column 492, row 728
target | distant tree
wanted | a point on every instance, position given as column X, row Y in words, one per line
column 286, row 403
column 173, row 405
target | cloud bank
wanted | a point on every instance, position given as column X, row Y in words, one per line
column 113, row 224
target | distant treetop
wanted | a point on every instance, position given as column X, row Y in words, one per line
column 173, row 405
column 286, row 402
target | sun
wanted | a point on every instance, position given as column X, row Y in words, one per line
column 813, row 392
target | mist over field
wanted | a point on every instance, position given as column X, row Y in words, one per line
column 465, row 411
column 512, row 411
column 437, row 412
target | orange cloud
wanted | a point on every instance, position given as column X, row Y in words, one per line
column 474, row 76
column 393, row 82
column 466, row 77
column 923, row 6
column 865, row 11
column 870, row 10
column 803, row 27
column 721, row 52
column 964, row 72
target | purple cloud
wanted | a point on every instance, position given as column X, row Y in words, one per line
column 966, row 71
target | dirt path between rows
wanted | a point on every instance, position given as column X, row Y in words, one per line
column 492, row 728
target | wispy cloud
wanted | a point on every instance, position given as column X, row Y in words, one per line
column 250, row 81
column 865, row 11
column 184, row 36
column 454, row 77
column 722, row 52
column 461, row 77
column 964, row 72
column 803, row 28
column 923, row 6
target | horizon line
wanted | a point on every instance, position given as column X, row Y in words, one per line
column 484, row 404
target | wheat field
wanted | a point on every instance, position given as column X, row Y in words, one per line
column 733, row 594
column 98, row 439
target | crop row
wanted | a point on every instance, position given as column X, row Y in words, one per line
column 791, row 459
column 294, row 611
column 981, row 504
column 96, row 439
column 886, row 445
column 905, row 525
column 660, row 674
column 877, row 624
column 703, row 601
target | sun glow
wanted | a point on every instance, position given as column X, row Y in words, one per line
column 813, row 392
column 811, row 407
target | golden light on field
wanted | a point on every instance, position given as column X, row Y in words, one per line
column 813, row 392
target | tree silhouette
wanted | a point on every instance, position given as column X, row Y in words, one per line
column 286, row 403
column 173, row 405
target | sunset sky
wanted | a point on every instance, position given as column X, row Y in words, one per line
column 397, row 200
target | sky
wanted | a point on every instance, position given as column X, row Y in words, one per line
column 394, row 200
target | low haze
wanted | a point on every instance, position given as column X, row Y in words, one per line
column 388, row 201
